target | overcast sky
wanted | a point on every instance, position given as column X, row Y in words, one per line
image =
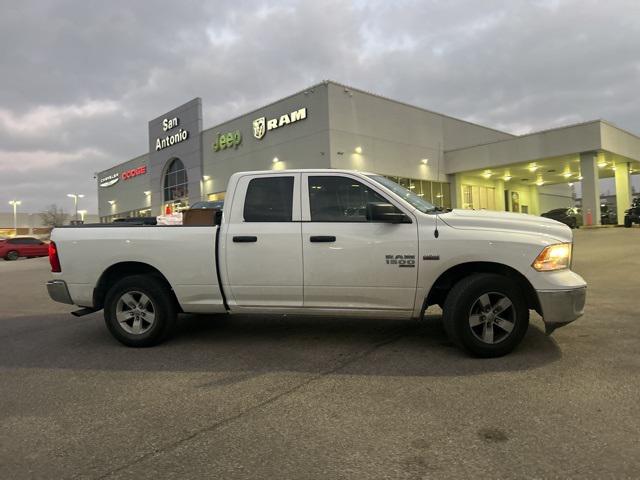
column 81, row 79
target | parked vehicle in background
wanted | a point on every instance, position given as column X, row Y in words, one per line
column 608, row 215
column 571, row 217
column 632, row 215
column 325, row 242
column 14, row 248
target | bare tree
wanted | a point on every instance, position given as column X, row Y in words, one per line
column 53, row 216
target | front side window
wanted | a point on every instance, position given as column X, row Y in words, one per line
column 269, row 200
column 340, row 199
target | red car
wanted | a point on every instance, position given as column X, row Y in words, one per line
column 12, row 248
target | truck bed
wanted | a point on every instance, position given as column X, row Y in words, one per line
column 186, row 256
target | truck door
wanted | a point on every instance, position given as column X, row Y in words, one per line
column 350, row 262
column 262, row 248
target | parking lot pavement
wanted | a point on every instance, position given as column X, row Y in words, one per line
column 273, row 397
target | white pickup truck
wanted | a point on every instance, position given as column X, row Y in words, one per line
column 325, row 242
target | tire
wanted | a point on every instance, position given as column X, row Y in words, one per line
column 466, row 305
column 627, row 222
column 140, row 311
column 12, row 255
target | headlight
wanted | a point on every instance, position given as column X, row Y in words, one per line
column 553, row 257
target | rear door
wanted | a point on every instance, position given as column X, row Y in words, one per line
column 350, row 262
column 263, row 251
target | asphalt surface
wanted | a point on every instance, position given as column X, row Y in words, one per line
column 272, row 397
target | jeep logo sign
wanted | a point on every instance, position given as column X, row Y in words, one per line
column 261, row 125
column 227, row 140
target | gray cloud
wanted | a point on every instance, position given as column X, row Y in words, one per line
column 81, row 79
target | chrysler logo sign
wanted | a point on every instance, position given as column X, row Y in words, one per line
column 261, row 125
column 110, row 180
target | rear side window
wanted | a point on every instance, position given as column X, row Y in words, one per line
column 269, row 200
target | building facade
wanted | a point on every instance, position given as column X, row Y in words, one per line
column 449, row 162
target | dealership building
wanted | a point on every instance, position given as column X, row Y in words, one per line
column 450, row 162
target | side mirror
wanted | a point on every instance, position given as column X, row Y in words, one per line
column 385, row 212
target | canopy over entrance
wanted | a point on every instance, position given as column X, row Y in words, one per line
column 578, row 153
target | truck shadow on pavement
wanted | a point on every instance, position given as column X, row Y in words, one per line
column 255, row 345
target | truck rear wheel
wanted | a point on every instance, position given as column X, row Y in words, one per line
column 139, row 311
column 486, row 314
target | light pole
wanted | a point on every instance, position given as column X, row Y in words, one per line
column 15, row 204
column 82, row 214
column 75, row 197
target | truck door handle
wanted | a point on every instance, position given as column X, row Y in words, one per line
column 322, row 238
column 245, row 239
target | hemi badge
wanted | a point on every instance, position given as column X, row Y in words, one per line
column 431, row 257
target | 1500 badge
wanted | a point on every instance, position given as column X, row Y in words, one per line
column 401, row 260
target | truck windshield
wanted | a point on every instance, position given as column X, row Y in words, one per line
column 407, row 195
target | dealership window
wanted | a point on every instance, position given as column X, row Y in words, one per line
column 175, row 182
column 269, row 200
column 436, row 193
column 467, row 196
column 478, row 197
column 340, row 199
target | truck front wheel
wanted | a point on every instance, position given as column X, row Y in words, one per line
column 486, row 314
column 139, row 311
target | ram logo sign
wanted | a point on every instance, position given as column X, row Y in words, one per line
column 262, row 125
column 259, row 127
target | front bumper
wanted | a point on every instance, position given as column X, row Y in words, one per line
column 59, row 292
column 560, row 307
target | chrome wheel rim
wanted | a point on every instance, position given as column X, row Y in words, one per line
column 135, row 313
column 492, row 317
